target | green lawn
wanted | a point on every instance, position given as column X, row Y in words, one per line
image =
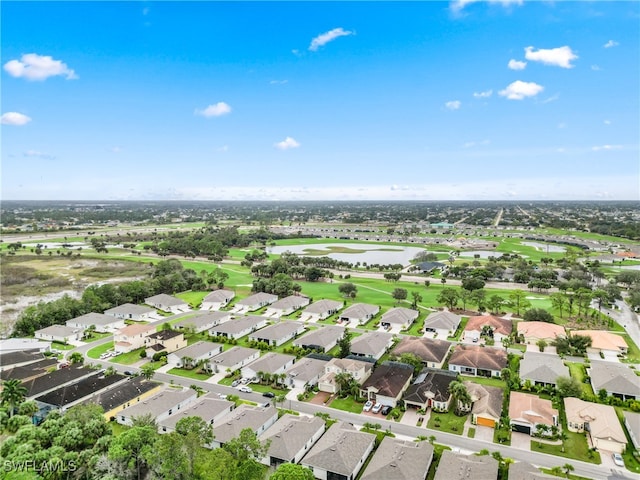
column 575, row 447
column 577, row 371
column 633, row 355
column 128, row 358
column 117, row 429
column 447, row 422
column 471, row 433
column 99, row 350
column 492, row 382
column 347, row 404
column 192, row 298
column 193, row 374
column 61, row 346
column 549, row 471
column 96, row 336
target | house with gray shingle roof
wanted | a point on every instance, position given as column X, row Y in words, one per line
column 103, row 323
column 360, row 313
column 486, row 404
column 320, row 310
column 167, row 303
column 526, row 471
column 397, row 459
column 209, row 408
column 278, row 333
column 457, row 466
column 340, row 453
column 256, row 418
column 443, row 324
column 273, row 363
column 542, row 368
column 616, row 378
column 255, row 302
column 239, row 327
column 291, row 438
column 47, row 382
column 217, row 299
column 200, row 351
column 398, row 318
column 371, row 344
column 160, row 406
column 202, row 323
column 430, row 389
column 59, row 333
column 305, row 372
column 129, row 311
column 432, row 352
column 287, row 305
column 233, row 359
column 323, row 339
column 632, row 422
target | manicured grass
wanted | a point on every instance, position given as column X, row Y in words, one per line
column 193, row 374
column 578, row 371
column 549, row 471
column 492, row 382
column 448, row 422
column 192, row 298
column 471, row 433
column 99, row 350
column 96, row 336
column 575, row 447
column 458, row 333
column 633, row 355
column 117, row 429
column 128, row 358
column 61, row 346
column 347, row 404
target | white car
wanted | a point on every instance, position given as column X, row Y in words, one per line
column 367, row 406
column 245, row 389
column 618, row 460
column 376, row 408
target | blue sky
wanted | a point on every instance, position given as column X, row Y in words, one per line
column 462, row 100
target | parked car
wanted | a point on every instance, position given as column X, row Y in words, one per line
column 235, row 383
column 618, row 460
column 244, row 381
column 269, row 394
column 386, row 410
column 128, row 372
column 367, row 406
column 105, row 355
column 245, row 389
column 376, row 408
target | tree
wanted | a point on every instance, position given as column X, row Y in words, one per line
column 168, row 459
column 292, row 471
column 495, row 303
column 76, row 357
column 348, row 290
column 537, row 315
column 542, row 344
column 218, row 464
column 559, row 301
column 472, row 283
column 568, row 387
column 460, row 397
column 399, row 294
column 343, row 381
column 246, row 447
column 417, row 298
column 147, row 371
column 28, row 408
column 568, row 468
column 448, row 296
column 196, row 434
column 518, row 300
column 413, row 360
column 13, row 394
column 479, row 298
column 132, row 448
column 344, row 344
column 505, row 376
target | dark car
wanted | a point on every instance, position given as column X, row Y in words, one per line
column 269, row 394
column 385, row 410
column 127, row 372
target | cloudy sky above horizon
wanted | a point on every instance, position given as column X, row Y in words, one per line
column 461, row 100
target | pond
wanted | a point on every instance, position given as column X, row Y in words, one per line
column 353, row 252
column 545, row 247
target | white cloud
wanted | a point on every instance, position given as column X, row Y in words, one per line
column 38, row 154
column 286, row 144
column 485, row 94
column 611, row 43
column 552, row 98
column 14, row 118
column 476, row 144
column 599, row 148
column 559, row 57
column 595, row 68
column 38, row 67
column 458, row 5
column 327, row 37
column 278, row 82
column 453, row 105
column 215, row 110
column 519, row 90
column 516, row 64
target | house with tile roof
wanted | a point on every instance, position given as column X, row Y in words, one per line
column 132, row 337
column 320, row 310
column 371, row 345
column 278, row 333
column 217, row 299
column 531, row 414
column 359, row 313
column 500, row 327
column 322, row 340
column 399, row 318
column 542, row 368
column 432, row 352
column 603, row 342
column 443, row 324
column 340, row 453
column 257, row 418
column 359, row 370
column 533, row 332
column 287, row 305
column 397, row 459
column 616, row 379
column 599, row 421
column 291, row 437
column 486, row 407
column 477, row 360
column 387, row 383
column 430, row 389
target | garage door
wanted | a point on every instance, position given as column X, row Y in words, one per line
column 521, row 428
column 485, row 422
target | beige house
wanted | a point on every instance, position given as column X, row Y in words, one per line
column 599, row 421
column 132, row 337
column 604, row 342
column 500, row 327
column 359, row 370
column 532, row 332
column 531, row 414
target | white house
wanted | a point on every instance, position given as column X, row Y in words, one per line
column 320, row 310
column 59, row 333
column 160, row 406
column 233, row 359
column 371, row 344
column 217, row 299
column 256, row 418
column 192, row 355
column 398, row 318
column 442, row 324
column 323, row 339
column 278, row 333
column 272, row 363
column 254, row 302
column 167, row 303
column 209, row 408
column 305, row 372
column 129, row 311
column 290, row 438
column 102, row 323
column 238, row 327
column 202, row 323
column 360, row 313
column 287, row 305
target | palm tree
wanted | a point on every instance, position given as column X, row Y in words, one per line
column 13, row 394
column 147, row 371
column 343, row 380
column 76, row 357
column 568, row 468
column 460, row 396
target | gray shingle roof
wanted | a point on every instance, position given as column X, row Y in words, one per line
column 164, row 299
column 359, row 310
column 129, row 308
column 430, row 382
column 399, row 460
column 306, row 368
column 122, row 394
column 159, row 403
column 238, row 325
column 197, row 349
column 71, row 393
column 321, row 337
column 526, row 471
column 27, row 371
column 427, row 349
column 399, row 316
column 442, row 321
column 58, row 331
column 290, row 434
column 322, row 306
column 219, row 296
column 370, row 343
column 292, row 301
column 199, row 321
column 46, row 382
column 257, row 298
column 233, row 355
column 277, row 331
column 98, row 319
column 456, row 466
column 542, row 367
column 486, row 399
column 245, row 416
column 615, row 378
column 207, row 408
column 270, row 362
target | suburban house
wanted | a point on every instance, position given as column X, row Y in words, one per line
column 542, row 368
column 320, row 310
column 27, row 372
column 371, row 344
column 457, row 466
column 272, row 363
column 199, row 352
column 114, row 400
column 291, row 438
column 287, row 305
column 132, row 337
column 167, row 303
column 102, row 323
column 387, row 383
column 533, row 332
column 278, row 333
column 48, row 382
column 531, row 414
column 429, row 267
column 340, row 453
column 397, row 459
column 632, row 422
column 600, row 421
column 526, row 471
column 209, row 408
column 432, row 352
column 442, row 324
column 217, row 299
column 160, row 406
column 202, row 323
column 479, row 361
column 615, row 378
column 486, row 406
column 359, row 370
column 500, row 328
column 430, row 389
column 233, row 359
column 398, row 318
column 59, row 333
column 255, row 302
column 322, row 339
column 19, row 359
column 164, row 341
column 129, row 311
column 72, row 394
column 609, row 344
column 360, row 313
column 304, row 373
column 256, row 418
column 238, row 327
column 8, row 345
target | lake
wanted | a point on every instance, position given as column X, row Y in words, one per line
column 363, row 252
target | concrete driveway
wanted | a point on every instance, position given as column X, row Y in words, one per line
column 483, row 433
column 520, row 440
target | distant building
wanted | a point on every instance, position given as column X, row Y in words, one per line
column 129, row 311
column 167, row 303
column 102, row 323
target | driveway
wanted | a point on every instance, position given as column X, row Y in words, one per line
column 520, row 440
column 484, row 434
